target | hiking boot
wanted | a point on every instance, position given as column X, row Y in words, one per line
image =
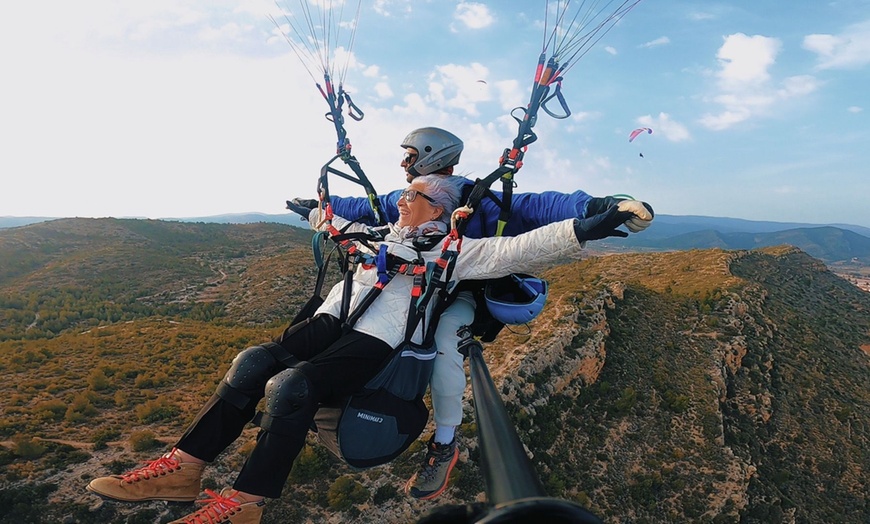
column 166, row 478
column 223, row 509
column 432, row 478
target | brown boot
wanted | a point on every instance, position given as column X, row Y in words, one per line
column 166, row 478
column 223, row 509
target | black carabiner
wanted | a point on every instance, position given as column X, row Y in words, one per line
column 352, row 110
column 558, row 95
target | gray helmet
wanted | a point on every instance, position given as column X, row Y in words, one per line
column 436, row 149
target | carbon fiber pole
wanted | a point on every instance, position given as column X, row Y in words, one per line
column 512, row 486
column 507, row 470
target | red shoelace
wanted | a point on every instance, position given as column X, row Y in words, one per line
column 217, row 509
column 153, row 468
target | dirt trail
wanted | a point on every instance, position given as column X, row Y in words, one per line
column 72, row 443
column 89, row 446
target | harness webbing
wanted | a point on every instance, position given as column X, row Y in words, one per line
column 429, row 286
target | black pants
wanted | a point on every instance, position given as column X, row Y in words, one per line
column 344, row 364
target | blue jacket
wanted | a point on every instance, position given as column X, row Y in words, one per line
column 528, row 210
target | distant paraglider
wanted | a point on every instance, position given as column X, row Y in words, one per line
column 639, row 131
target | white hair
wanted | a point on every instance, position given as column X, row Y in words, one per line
column 444, row 191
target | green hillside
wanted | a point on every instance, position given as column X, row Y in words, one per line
column 80, row 273
column 830, row 244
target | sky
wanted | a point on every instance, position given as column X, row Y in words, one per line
column 186, row 108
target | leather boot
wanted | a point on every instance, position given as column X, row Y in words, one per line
column 166, row 478
column 223, row 509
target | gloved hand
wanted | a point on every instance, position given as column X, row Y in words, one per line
column 302, row 206
column 602, row 225
column 642, row 213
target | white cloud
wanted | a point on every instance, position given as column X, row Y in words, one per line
column 459, row 86
column 72, row 24
column 142, row 145
column 227, row 32
column 473, row 15
column 660, row 41
column 848, row 50
column 724, row 119
column 798, row 86
column 610, row 49
column 413, row 103
column 855, row 109
column 436, row 93
column 699, row 16
column 745, row 59
column 748, row 101
column 387, row 7
column 510, row 95
column 383, row 90
column 745, row 87
column 255, row 7
column 168, row 18
column 584, row 116
column 662, row 125
column 343, row 58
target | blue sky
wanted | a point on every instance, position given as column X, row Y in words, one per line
column 174, row 108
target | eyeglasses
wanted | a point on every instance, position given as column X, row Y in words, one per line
column 411, row 194
column 409, row 158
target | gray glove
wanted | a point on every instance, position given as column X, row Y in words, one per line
column 302, row 206
column 641, row 213
column 602, row 225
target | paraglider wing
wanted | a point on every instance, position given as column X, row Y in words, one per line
column 638, row 131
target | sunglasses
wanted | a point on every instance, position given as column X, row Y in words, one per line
column 411, row 194
column 409, row 158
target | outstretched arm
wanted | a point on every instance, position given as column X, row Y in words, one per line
column 356, row 208
column 533, row 210
column 495, row 257
column 359, row 210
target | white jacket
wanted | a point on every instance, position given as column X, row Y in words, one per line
column 480, row 258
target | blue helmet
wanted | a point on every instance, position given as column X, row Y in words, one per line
column 516, row 298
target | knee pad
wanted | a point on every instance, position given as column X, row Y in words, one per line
column 245, row 382
column 291, row 400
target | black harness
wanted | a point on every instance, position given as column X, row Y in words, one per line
column 429, row 289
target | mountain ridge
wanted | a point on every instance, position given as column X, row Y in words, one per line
column 843, row 242
column 827, row 243
column 668, row 225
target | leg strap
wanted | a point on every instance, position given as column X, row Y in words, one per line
column 233, row 396
column 281, row 355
